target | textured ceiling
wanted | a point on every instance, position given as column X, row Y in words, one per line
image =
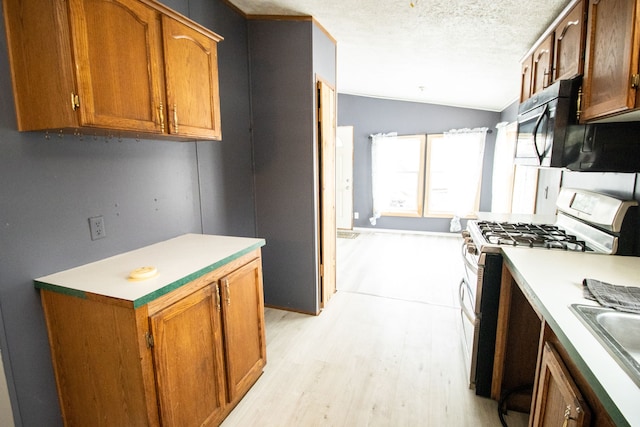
column 454, row 52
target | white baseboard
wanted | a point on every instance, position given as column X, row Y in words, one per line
column 392, row 231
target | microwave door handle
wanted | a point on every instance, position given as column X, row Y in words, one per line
column 535, row 133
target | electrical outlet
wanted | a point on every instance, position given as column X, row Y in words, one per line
column 96, row 225
column 356, row 215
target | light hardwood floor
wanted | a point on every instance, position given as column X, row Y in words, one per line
column 385, row 352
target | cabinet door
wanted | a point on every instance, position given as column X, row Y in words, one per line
column 541, row 72
column 189, row 361
column 525, row 85
column 191, row 72
column 117, row 49
column 569, row 44
column 244, row 332
column 558, row 399
column 611, row 58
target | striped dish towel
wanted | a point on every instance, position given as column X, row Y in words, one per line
column 623, row 298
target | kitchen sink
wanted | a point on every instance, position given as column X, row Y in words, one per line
column 618, row 331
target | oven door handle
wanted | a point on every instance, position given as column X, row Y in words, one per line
column 540, row 155
column 468, row 264
column 465, row 310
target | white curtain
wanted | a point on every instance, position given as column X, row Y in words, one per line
column 379, row 192
column 503, row 168
column 464, row 188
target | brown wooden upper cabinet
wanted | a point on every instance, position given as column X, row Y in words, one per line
column 191, row 74
column 525, row 86
column 611, row 69
column 558, row 55
column 541, row 76
column 569, row 43
column 112, row 67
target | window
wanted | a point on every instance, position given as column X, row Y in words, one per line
column 435, row 175
column 454, row 173
column 398, row 171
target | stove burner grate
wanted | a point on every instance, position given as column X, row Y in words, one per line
column 530, row 235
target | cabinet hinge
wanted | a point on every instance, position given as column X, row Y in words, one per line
column 75, row 101
column 635, row 81
column 149, row 339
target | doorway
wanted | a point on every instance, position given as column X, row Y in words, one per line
column 344, row 177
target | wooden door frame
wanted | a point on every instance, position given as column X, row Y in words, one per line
column 326, row 190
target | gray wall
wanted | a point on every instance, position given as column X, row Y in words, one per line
column 226, row 169
column 371, row 115
column 510, row 114
column 284, row 57
column 147, row 191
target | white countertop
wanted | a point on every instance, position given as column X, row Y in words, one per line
column 553, row 281
column 178, row 261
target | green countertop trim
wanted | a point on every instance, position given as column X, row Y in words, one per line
column 191, row 277
column 165, row 289
column 60, row 289
column 598, row 389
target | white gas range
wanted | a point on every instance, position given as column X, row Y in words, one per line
column 586, row 221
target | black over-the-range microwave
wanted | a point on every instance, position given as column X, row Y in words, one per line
column 549, row 134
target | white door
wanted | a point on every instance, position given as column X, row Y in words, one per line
column 344, row 177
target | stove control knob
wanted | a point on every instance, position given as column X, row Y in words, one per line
column 465, row 233
column 471, row 248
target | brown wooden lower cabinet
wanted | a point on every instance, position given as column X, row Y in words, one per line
column 188, row 360
column 183, row 359
column 528, row 352
column 558, row 400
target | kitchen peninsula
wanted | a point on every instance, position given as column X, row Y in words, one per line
column 170, row 334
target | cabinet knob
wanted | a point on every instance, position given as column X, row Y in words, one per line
column 75, row 101
column 161, row 112
column 218, row 305
column 567, row 415
column 175, row 118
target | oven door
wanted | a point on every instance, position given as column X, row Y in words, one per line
column 470, row 320
column 479, row 294
column 487, row 303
